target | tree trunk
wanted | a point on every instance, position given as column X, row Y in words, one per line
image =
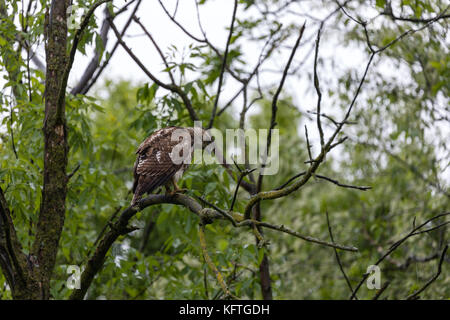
column 264, row 270
column 52, row 212
column 29, row 276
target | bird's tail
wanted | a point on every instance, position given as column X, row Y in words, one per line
column 135, row 199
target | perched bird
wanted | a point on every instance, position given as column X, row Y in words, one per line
column 163, row 157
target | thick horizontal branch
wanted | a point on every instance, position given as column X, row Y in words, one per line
column 207, row 215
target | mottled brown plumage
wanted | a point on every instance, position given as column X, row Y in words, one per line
column 154, row 166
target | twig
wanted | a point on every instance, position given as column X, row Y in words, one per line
column 337, row 256
column 212, row 266
column 363, row 188
column 204, row 40
column 396, row 245
column 380, row 292
column 171, row 87
column 11, row 119
column 156, row 47
column 290, row 180
column 119, row 227
column 95, row 61
column 241, row 177
column 280, row 86
column 73, row 50
column 274, row 117
column 116, row 45
column 429, row 282
column 224, row 63
column 331, row 119
column 205, row 282
column 13, row 248
column 317, row 87
column 282, row 228
column 308, row 145
column 70, row 175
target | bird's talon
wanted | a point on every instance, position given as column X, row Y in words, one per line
column 174, row 192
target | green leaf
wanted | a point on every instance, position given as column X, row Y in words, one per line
column 380, row 3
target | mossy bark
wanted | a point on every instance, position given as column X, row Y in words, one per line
column 52, row 211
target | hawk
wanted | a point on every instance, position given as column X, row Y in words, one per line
column 163, row 157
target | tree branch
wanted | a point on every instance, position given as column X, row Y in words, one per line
column 116, row 45
column 397, row 244
column 223, row 285
column 224, row 63
column 442, row 15
column 118, row 228
column 10, row 246
column 171, row 87
column 137, row 20
column 95, row 61
column 73, row 50
column 338, row 259
column 317, row 87
column 415, row 295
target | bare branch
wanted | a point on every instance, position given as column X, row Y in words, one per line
column 415, row 295
column 442, row 15
column 201, row 236
column 95, row 61
column 10, row 245
column 282, row 228
column 317, row 87
column 116, row 45
column 224, row 63
column 156, row 47
column 73, row 50
column 397, row 244
column 380, row 292
column 338, row 259
column 280, row 86
column 171, row 87
column 308, row 145
column 70, row 175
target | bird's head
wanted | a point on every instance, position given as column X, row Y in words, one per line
column 201, row 135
